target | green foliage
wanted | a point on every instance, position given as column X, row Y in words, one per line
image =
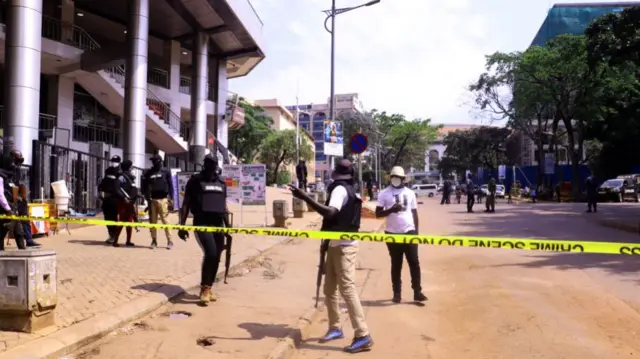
column 284, row 177
column 279, row 149
column 474, row 148
column 613, row 44
column 245, row 141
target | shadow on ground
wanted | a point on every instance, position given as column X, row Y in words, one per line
column 259, row 331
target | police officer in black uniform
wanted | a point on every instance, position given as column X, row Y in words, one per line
column 592, row 194
column 109, row 188
column 127, row 194
column 7, row 173
column 470, row 194
column 205, row 196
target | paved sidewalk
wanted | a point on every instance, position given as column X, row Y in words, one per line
column 94, row 278
column 259, row 307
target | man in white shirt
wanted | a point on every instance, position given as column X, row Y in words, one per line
column 341, row 213
column 399, row 205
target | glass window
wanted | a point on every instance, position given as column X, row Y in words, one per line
column 321, row 157
column 570, row 19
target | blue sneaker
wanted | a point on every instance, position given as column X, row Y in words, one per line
column 332, row 334
column 361, row 344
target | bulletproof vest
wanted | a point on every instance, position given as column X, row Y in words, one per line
column 158, row 182
column 109, row 182
column 212, row 196
column 129, row 185
column 348, row 218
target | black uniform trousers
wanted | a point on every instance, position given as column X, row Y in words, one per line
column 110, row 212
column 592, row 203
column 397, row 251
column 471, row 200
column 446, row 198
column 212, row 245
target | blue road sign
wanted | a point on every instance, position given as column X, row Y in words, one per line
column 358, row 143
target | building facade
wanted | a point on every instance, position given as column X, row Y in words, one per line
column 283, row 119
column 436, row 150
column 136, row 76
column 312, row 117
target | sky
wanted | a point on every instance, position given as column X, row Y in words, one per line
column 414, row 57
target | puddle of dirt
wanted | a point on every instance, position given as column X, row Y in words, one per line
column 205, row 342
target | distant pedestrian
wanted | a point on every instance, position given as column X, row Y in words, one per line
column 301, row 174
column 470, row 194
column 399, row 206
column 534, row 192
column 592, row 194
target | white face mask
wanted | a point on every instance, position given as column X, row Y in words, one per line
column 396, row 182
column 114, row 164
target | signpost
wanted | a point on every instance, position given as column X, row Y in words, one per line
column 358, row 144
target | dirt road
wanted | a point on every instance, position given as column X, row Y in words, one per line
column 484, row 303
column 490, row 303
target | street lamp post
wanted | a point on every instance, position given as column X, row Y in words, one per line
column 331, row 14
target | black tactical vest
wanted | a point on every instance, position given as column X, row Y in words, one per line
column 211, row 197
column 348, row 219
column 109, row 182
column 158, row 185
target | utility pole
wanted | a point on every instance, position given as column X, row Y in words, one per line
column 331, row 14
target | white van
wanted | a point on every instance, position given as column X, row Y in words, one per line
column 428, row 190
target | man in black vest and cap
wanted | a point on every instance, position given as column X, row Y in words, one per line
column 109, row 188
column 157, row 188
column 341, row 213
column 7, row 193
column 205, row 196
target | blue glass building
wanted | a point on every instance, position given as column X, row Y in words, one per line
column 574, row 19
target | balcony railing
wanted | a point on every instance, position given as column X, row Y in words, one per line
column 65, row 33
column 87, row 132
column 158, row 77
column 161, row 109
column 46, row 122
column 185, row 88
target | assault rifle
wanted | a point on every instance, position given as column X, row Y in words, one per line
column 228, row 223
column 324, row 246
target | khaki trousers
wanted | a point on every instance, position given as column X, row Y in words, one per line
column 340, row 275
column 159, row 210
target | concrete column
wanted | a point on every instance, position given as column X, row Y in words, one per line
column 200, row 64
column 172, row 55
column 67, row 17
column 135, row 92
column 22, row 71
column 60, row 101
column 222, row 126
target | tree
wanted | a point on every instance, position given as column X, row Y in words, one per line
column 279, row 149
column 613, row 47
column 245, row 142
column 479, row 147
column 504, row 93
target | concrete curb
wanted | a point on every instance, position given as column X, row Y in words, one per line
column 74, row 337
column 288, row 345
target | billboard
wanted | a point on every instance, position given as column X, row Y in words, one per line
column 333, row 138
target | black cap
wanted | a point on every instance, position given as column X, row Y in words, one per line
column 126, row 164
column 156, row 158
column 116, row 158
column 343, row 171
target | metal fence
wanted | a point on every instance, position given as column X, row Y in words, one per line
column 81, row 171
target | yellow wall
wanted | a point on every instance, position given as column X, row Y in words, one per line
column 283, row 119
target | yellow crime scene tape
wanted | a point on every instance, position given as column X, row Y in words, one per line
column 452, row 241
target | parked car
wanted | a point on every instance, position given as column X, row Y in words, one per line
column 500, row 191
column 631, row 186
column 428, row 190
column 484, row 189
column 612, row 190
